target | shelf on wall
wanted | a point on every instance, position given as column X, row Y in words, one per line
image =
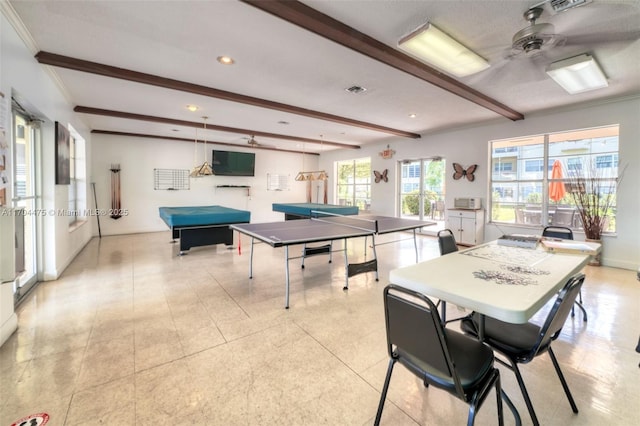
column 247, row 187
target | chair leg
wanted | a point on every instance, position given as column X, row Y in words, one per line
column 525, row 394
column 514, row 410
column 579, row 303
column 584, row 312
column 385, row 388
column 480, row 395
column 499, row 401
column 565, row 386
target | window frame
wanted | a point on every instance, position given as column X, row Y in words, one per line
column 575, row 149
column 350, row 188
column 77, row 199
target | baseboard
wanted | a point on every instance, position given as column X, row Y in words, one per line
column 8, row 328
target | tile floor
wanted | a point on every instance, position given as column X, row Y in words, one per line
column 132, row 334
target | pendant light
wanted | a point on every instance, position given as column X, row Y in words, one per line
column 203, row 169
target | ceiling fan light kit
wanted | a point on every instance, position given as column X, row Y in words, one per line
column 435, row 47
column 578, row 74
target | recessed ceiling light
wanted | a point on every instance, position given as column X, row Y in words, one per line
column 355, row 89
column 226, row 60
column 413, row 115
column 192, row 108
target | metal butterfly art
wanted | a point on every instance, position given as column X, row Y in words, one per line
column 460, row 171
column 381, row 176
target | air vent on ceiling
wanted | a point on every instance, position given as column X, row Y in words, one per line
column 355, row 89
column 562, row 5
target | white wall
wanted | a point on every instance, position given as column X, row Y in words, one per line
column 23, row 77
column 138, row 157
column 470, row 146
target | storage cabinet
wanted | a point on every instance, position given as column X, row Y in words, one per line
column 467, row 225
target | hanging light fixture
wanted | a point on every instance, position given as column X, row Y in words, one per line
column 304, row 176
column 300, row 177
column 203, row 169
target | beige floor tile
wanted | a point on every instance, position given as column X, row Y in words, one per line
column 110, row 403
column 134, row 334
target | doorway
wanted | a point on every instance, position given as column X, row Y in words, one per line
column 422, row 190
column 26, row 141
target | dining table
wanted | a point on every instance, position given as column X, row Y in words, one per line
column 503, row 282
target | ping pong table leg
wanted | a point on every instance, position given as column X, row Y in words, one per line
column 286, row 274
column 346, row 267
column 375, row 254
column 251, row 259
column 415, row 244
column 365, row 246
column 304, row 252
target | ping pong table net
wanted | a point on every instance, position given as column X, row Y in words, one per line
column 351, row 221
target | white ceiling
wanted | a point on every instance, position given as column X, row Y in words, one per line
column 280, row 62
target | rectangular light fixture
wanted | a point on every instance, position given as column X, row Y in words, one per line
column 578, row 74
column 435, row 47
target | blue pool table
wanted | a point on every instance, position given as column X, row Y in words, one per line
column 202, row 225
column 303, row 210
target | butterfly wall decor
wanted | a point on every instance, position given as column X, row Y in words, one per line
column 460, row 171
column 381, row 176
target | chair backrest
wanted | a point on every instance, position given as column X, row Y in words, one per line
column 563, row 216
column 558, row 232
column 446, row 242
column 415, row 336
column 558, row 314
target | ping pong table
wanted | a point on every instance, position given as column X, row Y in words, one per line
column 327, row 228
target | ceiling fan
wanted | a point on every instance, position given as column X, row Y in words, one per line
column 252, row 142
column 535, row 37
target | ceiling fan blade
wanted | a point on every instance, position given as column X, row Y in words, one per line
column 252, row 142
column 596, row 39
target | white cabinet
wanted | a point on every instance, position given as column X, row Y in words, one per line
column 467, row 225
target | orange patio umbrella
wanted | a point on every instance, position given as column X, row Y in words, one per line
column 556, row 187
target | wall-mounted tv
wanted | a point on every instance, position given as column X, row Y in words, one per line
column 232, row 163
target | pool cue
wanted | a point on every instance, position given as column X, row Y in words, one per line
column 95, row 200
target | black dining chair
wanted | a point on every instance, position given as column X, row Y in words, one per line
column 521, row 343
column 566, row 234
column 553, row 231
column 447, row 244
column 445, row 359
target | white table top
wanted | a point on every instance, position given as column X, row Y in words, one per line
column 520, row 280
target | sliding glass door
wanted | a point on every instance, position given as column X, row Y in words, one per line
column 25, row 202
column 422, row 188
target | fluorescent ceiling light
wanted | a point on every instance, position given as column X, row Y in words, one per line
column 578, row 74
column 431, row 45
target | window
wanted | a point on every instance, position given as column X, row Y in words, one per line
column 354, row 183
column 520, row 183
column 503, row 167
column 606, row 161
column 533, row 165
column 78, row 184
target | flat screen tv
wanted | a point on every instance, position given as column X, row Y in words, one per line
column 232, row 163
